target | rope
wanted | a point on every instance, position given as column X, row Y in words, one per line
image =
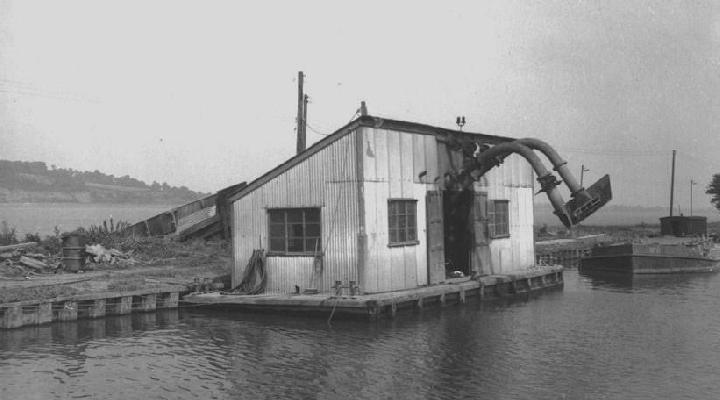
column 332, row 312
column 254, row 279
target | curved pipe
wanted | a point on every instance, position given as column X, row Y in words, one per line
column 558, row 163
column 491, row 157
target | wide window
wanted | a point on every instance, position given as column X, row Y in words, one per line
column 402, row 222
column 499, row 219
column 294, row 231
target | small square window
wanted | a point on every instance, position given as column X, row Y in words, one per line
column 402, row 222
column 499, row 219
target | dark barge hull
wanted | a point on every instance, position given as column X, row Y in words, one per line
column 647, row 264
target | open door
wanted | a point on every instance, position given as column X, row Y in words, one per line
column 481, row 260
column 435, row 237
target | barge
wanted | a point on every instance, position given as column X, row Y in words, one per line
column 653, row 258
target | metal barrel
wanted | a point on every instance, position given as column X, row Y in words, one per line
column 73, row 251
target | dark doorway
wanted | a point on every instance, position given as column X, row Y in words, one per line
column 457, row 209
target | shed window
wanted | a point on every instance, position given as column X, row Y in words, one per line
column 402, row 222
column 499, row 219
column 294, row 231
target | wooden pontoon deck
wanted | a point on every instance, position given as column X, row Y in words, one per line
column 387, row 303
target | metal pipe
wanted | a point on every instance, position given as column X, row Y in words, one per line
column 559, row 164
column 548, row 183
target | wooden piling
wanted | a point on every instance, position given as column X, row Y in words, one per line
column 90, row 305
column 144, row 303
column 67, row 311
column 167, row 300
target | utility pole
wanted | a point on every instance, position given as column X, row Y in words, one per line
column 583, row 170
column 301, row 115
column 304, row 119
column 692, row 183
column 672, row 183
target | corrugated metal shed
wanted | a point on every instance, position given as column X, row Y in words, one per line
column 326, row 179
column 350, row 175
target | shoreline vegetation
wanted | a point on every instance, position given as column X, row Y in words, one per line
column 36, row 271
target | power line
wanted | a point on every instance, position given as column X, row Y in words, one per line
column 315, row 130
column 614, row 152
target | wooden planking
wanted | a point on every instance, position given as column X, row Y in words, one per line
column 370, row 280
column 393, row 164
column 431, row 160
column 382, row 237
column 435, row 235
column 407, row 160
column 381, row 154
column 421, row 272
column 410, row 264
column 419, row 160
column 397, row 268
column 394, row 161
column 389, row 302
column 370, row 157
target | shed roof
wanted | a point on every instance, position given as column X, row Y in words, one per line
column 363, row 121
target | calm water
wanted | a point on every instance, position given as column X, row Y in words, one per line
column 644, row 339
column 42, row 218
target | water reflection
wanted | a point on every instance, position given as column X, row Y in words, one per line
column 629, row 282
column 597, row 338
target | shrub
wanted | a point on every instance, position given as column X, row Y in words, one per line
column 7, row 234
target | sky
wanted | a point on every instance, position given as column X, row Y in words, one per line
column 204, row 93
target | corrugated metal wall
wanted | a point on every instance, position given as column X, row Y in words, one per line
column 392, row 163
column 512, row 181
column 327, row 180
column 395, row 165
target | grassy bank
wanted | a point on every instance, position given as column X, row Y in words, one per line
column 147, row 262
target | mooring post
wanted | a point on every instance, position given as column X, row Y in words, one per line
column 45, row 314
column 29, row 315
column 96, row 308
column 12, row 317
column 167, row 300
column 68, row 311
column 372, row 309
column 144, row 303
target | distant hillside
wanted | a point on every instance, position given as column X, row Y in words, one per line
column 34, row 182
column 620, row 215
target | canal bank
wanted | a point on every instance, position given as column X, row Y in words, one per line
column 386, row 304
column 88, row 306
